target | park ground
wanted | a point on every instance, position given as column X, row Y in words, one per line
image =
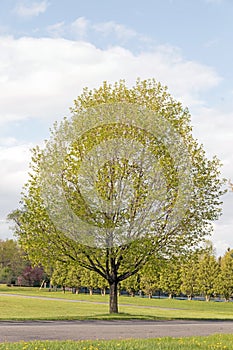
column 31, row 304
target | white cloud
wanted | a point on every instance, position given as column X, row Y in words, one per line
column 14, row 160
column 57, row 29
column 108, row 28
column 80, row 27
column 214, row 128
column 222, row 235
column 221, row 247
column 186, row 79
column 7, row 141
column 43, row 76
column 31, row 9
column 4, row 230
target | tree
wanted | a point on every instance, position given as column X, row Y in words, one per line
column 31, row 276
column 90, row 280
column 225, row 281
column 12, row 261
column 67, row 275
column 208, row 273
column 170, row 281
column 150, row 277
column 131, row 284
column 120, row 182
column 189, row 269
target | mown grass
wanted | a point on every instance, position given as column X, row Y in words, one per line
column 81, row 306
column 214, row 342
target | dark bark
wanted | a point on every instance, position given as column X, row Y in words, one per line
column 113, row 298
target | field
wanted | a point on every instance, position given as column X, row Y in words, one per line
column 32, row 303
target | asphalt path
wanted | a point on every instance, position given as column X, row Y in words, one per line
column 12, row 331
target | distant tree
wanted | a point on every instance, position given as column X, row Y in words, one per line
column 67, row 275
column 12, row 261
column 208, row 274
column 32, row 276
column 225, row 280
column 90, row 280
column 170, row 277
column 157, row 191
column 102, row 285
column 131, row 285
column 189, row 274
column 150, row 277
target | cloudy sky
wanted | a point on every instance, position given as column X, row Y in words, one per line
column 51, row 49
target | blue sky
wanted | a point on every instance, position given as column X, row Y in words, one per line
column 51, row 49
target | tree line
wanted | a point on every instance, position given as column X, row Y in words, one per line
column 199, row 273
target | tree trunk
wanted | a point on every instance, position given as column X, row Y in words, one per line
column 113, row 298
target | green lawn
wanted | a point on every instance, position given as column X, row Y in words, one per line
column 96, row 307
column 214, row 342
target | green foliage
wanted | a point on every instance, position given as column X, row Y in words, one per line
column 207, row 275
column 90, row 280
column 225, row 280
column 170, row 280
column 12, row 261
column 189, row 270
column 67, row 275
column 150, row 276
column 131, row 284
column 46, row 228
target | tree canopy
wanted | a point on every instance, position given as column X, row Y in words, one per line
column 121, row 181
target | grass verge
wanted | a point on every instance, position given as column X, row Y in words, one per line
column 214, row 342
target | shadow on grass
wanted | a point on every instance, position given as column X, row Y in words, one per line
column 111, row 317
column 124, row 316
column 99, row 317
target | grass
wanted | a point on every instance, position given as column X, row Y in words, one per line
column 45, row 306
column 42, row 304
column 214, row 342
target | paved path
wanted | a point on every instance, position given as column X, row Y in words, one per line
column 77, row 330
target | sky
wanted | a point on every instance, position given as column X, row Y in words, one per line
column 51, row 49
